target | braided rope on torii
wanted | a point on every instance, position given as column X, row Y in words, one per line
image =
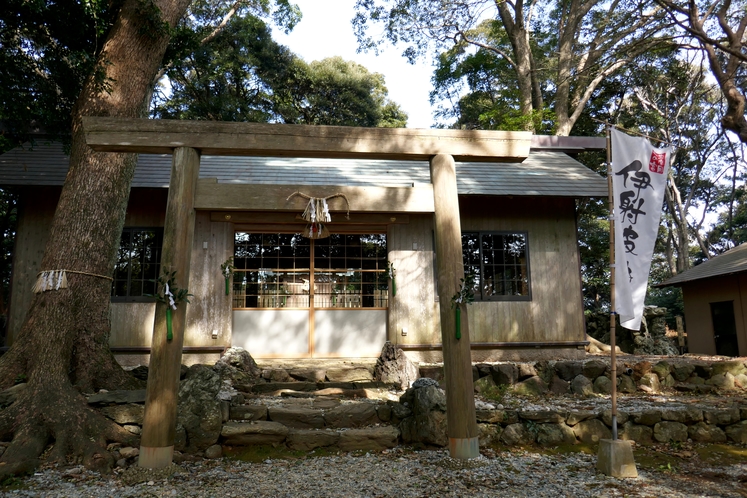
column 317, row 213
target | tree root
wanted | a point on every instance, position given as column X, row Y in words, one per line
column 79, row 434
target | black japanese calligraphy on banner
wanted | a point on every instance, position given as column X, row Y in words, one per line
column 638, row 183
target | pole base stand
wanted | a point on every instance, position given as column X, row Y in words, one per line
column 464, row 448
column 155, row 457
column 615, row 458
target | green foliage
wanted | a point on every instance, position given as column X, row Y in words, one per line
column 47, row 49
column 179, row 295
column 244, row 75
column 466, row 293
column 495, row 394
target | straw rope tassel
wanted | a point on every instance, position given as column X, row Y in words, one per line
column 48, row 280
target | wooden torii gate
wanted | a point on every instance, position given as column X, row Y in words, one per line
column 187, row 140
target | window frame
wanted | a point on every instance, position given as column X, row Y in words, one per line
column 479, row 285
column 142, row 298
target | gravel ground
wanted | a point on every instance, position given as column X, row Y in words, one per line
column 399, row 473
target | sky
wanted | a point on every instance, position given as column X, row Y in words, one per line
column 325, row 31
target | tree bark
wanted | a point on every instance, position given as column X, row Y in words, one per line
column 63, row 344
column 523, row 63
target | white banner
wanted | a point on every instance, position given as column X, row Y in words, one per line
column 639, row 176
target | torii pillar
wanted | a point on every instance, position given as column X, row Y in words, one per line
column 460, row 397
column 161, row 395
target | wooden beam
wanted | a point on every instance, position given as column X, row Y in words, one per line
column 212, row 195
column 279, row 217
column 159, row 419
column 259, row 139
column 460, row 399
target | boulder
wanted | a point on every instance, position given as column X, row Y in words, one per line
column 640, row 369
column 533, row 386
column 723, row 381
column 706, row 433
column 516, row 434
column 369, row 439
column 722, row 416
column 199, row 410
column 488, row 434
column 681, row 372
column 582, row 385
column 626, row 384
column 554, row 434
column 427, row 424
column 622, row 417
column 568, row 370
column 577, row 416
column 737, row 432
column 490, row 416
column 504, row 374
column 394, row 367
column 602, row 385
column 646, row 417
column 687, row 415
column 733, row 367
column 559, row 386
column 651, row 381
column 238, row 365
column 662, row 370
column 309, row 439
column 214, row 451
column 591, row 431
column 526, row 370
column 641, row 434
column 543, row 416
column 665, row 432
column 594, row 368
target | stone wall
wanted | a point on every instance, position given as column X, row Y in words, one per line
column 543, row 403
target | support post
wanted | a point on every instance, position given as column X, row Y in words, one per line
column 159, row 420
column 615, row 456
column 460, row 397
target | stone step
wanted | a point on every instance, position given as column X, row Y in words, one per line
column 276, row 388
column 274, row 433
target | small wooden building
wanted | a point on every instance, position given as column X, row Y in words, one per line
column 293, row 297
column 715, row 298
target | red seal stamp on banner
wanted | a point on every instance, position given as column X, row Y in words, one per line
column 656, row 165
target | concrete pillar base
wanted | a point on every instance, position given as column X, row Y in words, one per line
column 155, row 457
column 464, row 448
column 615, row 458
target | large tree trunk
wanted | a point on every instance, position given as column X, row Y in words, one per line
column 523, row 63
column 63, row 343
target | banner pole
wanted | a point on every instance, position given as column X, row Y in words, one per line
column 613, row 355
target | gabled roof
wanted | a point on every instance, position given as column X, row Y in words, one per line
column 543, row 173
column 731, row 262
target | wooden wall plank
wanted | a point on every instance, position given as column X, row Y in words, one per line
column 210, row 308
column 231, row 196
column 415, row 306
column 35, row 212
column 260, row 139
column 555, row 312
